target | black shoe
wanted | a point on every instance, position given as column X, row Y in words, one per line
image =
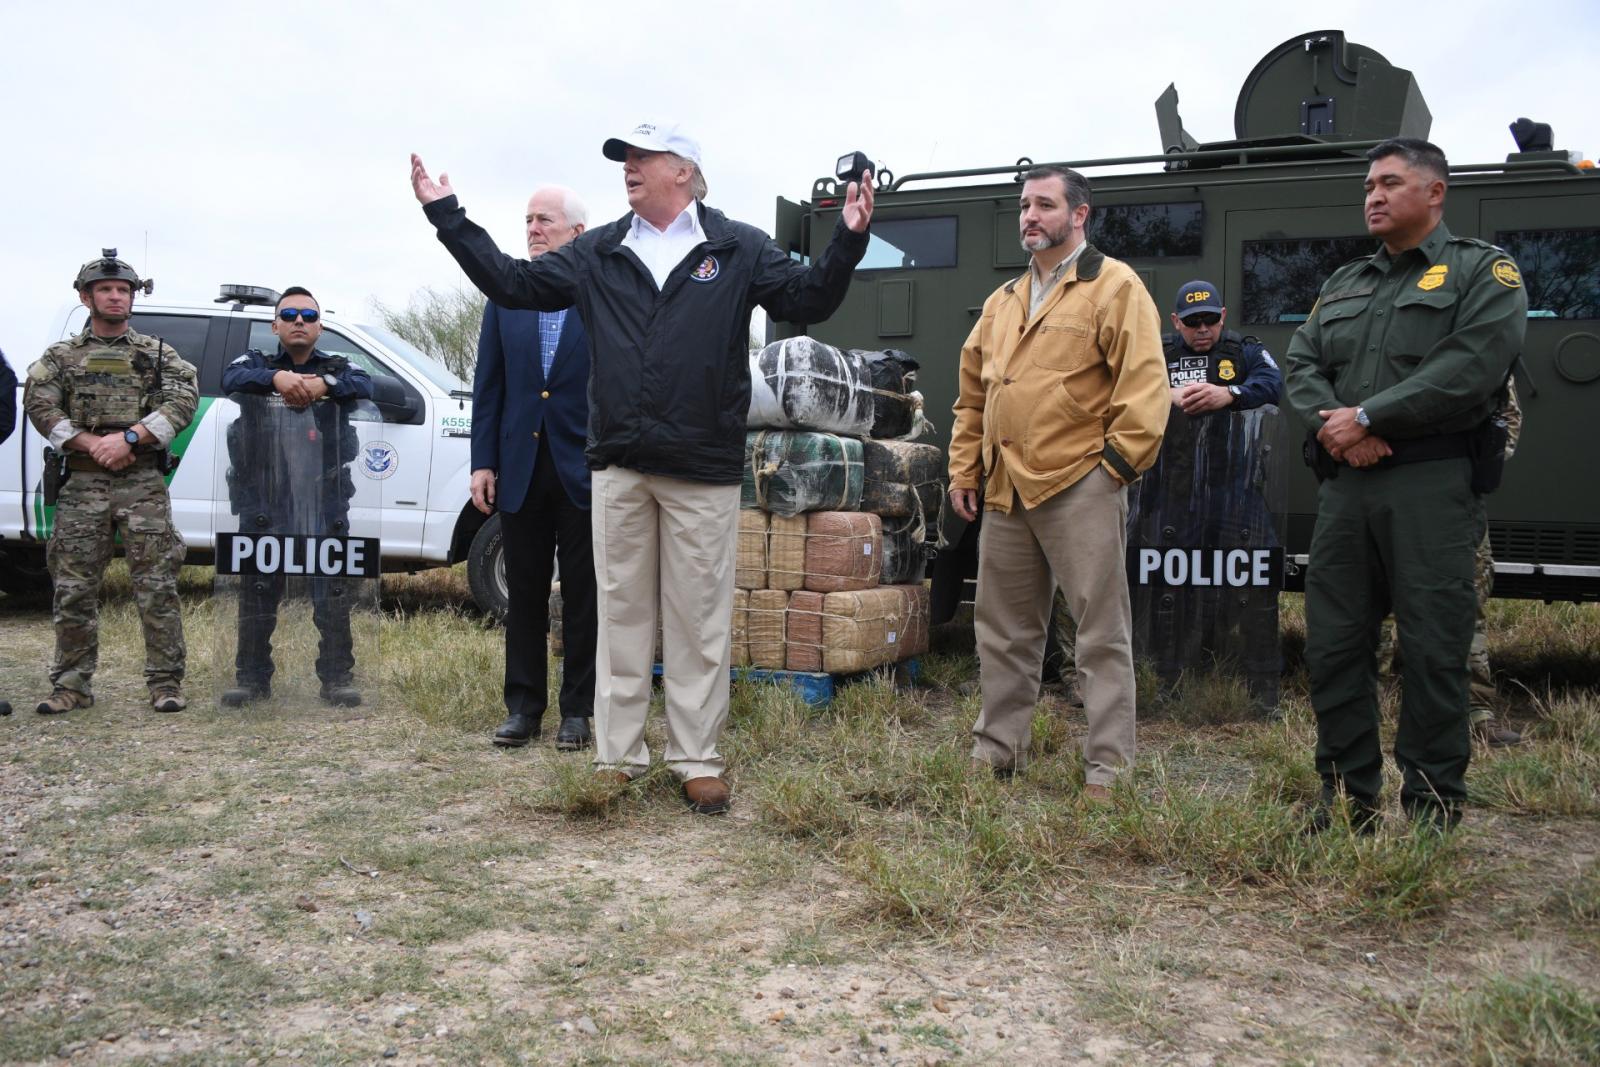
column 5, row 708
column 1429, row 815
column 517, row 730
column 341, row 696
column 1364, row 817
column 574, row 733
column 240, row 695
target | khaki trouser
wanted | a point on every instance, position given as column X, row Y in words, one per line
column 1077, row 537
column 662, row 543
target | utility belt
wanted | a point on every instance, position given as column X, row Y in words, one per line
column 82, row 461
column 1484, row 445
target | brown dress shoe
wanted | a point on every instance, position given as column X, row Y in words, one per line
column 1097, row 794
column 706, row 796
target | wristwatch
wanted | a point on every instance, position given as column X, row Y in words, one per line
column 331, row 380
column 1235, row 391
column 1361, row 418
column 131, row 436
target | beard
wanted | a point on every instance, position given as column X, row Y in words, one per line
column 1046, row 238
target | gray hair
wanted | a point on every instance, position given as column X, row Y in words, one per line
column 572, row 207
column 1076, row 185
column 697, row 180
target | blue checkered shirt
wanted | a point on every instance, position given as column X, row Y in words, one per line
column 550, row 323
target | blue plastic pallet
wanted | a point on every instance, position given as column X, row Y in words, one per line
column 815, row 688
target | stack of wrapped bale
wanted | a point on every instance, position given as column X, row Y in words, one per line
column 830, row 540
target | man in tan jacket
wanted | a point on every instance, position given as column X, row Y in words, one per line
column 1063, row 400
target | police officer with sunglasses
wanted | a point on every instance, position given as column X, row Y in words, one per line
column 267, row 498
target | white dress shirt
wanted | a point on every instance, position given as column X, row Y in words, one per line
column 661, row 250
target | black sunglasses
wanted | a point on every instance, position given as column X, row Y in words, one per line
column 311, row 314
column 1202, row 318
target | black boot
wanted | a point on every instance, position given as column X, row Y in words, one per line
column 575, row 733
column 1363, row 811
column 517, row 730
column 341, row 695
column 243, row 693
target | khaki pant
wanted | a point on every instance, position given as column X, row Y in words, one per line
column 668, row 544
column 1077, row 538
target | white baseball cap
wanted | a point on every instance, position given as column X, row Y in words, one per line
column 654, row 137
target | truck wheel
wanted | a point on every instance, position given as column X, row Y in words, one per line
column 486, row 570
column 22, row 573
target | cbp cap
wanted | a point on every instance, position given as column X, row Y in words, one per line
column 654, row 137
column 108, row 268
column 1198, row 296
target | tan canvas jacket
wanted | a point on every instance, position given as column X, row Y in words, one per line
column 1043, row 400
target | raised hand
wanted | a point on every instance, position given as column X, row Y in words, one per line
column 426, row 188
column 857, row 203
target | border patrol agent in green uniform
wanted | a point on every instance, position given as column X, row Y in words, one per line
column 1399, row 369
column 110, row 401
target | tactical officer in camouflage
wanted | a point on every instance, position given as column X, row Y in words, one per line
column 1399, row 369
column 8, row 422
column 110, row 401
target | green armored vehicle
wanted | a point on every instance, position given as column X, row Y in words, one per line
column 1268, row 215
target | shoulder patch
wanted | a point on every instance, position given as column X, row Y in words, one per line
column 39, row 372
column 1506, row 273
column 242, row 359
column 1266, row 357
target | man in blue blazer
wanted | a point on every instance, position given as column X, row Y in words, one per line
column 530, row 418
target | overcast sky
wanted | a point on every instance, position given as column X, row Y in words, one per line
column 271, row 147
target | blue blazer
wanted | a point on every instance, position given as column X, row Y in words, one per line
column 511, row 416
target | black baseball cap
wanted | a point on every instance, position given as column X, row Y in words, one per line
column 1198, row 296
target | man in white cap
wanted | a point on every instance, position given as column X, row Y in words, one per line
column 666, row 293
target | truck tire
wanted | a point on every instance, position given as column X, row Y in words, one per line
column 486, row 570
column 23, row 572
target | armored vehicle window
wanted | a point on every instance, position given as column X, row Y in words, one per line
column 1147, row 231
column 911, row 244
column 1282, row 278
column 186, row 333
column 1561, row 269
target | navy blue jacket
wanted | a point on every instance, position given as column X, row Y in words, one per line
column 1232, row 361
column 516, row 411
column 670, row 389
column 263, row 487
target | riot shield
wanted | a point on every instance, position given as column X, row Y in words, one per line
column 298, row 512
column 1206, row 530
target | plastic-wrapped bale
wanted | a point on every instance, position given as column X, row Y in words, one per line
column 861, row 629
column 803, row 631
column 895, row 401
column 788, row 472
column 764, row 628
column 904, row 558
column 786, row 552
column 913, row 640
column 741, row 628
column 557, row 647
column 800, row 383
column 900, row 478
column 750, row 553
column 844, row 550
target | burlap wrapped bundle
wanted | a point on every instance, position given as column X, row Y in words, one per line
column 764, row 628
column 913, row 639
column 803, row 631
column 901, row 478
column 844, row 550
column 786, row 552
column 861, row 629
column 750, row 554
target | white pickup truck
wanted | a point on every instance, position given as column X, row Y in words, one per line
column 423, row 447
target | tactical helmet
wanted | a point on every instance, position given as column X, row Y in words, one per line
column 108, row 268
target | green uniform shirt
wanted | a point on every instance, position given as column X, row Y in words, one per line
column 1423, row 340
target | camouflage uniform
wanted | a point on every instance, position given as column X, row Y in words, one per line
column 98, row 385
